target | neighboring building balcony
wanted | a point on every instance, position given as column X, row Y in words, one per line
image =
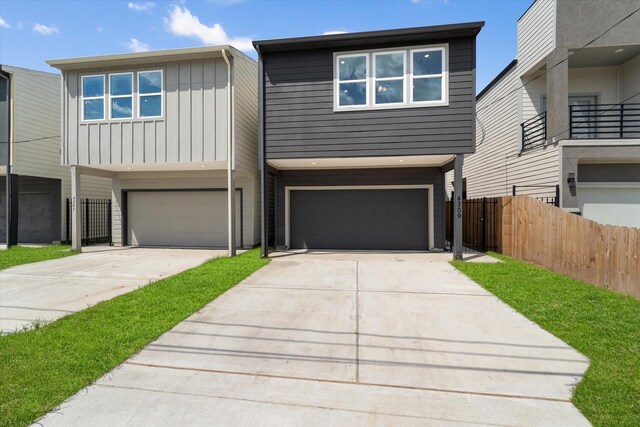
column 593, row 121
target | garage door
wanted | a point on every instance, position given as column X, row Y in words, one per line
column 610, row 205
column 180, row 218
column 359, row 219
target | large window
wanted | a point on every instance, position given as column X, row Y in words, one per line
column 93, row 97
column 406, row 77
column 150, row 93
column 121, row 95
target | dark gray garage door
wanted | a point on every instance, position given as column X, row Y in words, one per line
column 359, row 219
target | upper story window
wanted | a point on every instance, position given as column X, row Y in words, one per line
column 399, row 78
column 93, row 97
column 150, row 93
column 121, row 94
column 118, row 92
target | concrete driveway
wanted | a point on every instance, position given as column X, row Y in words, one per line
column 47, row 290
column 343, row 339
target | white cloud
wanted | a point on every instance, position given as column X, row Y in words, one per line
column 141, row 7
column 135, row 45
column 4, row 23
column 45, row 30
column 182, row 23
column 332, row 32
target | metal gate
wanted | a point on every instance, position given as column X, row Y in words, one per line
column 96, row 221
column 479, row 224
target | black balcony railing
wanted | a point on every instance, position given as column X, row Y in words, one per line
column 534, row 131
column 604, row 121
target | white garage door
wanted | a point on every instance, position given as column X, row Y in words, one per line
column 179, row 218
column 611, row 205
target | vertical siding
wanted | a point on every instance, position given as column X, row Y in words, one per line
column 246, row 129
column 536, row 34
column 192, row 129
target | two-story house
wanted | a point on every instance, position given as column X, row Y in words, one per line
column 565, row 113
column 357, row 131
column 176, row 132
column 37, row 183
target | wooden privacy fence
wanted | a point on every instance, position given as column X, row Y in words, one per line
column 603, row 255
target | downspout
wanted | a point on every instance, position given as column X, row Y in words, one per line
column 231, row 185
column 261, row 158
column 6, row 139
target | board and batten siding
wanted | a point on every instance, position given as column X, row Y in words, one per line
column 536, row 34
column 193, row 127
column 301, row 122
column 498, row 164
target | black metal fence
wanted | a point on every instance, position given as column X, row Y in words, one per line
column 534, row 131
column 479, row 224
column 553, row 200
column 604, row 121
column 96, row 221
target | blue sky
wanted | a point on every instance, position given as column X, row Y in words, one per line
column 33, row 31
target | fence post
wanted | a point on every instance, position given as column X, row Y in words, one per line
column 484, row 224
column 513, row 191
column 109, row 223
column 68, row 239
column 86, row 218
column 557, row 201
column 570, row 123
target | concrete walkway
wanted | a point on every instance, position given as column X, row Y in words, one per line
column 343, row 339
column 47, row 290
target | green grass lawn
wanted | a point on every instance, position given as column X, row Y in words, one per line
column 602, row 325
column 41, row 368
column 18, row 255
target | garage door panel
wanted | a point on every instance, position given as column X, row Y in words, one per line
column 180, row 218
column 359, row 219
column 611, row 205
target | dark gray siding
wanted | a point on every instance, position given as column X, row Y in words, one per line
column 390, row 176
column 4, row 120
column 38, row 209
column 300, row 121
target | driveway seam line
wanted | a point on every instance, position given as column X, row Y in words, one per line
column 367, row 384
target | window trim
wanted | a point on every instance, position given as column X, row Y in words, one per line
column 403, row 78
column 337, row 81
column 161, row 93
column 444, row 75
column 132, row 96
column 103, row 97
column 408, row 79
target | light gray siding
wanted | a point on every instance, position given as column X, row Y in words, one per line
column 536, row 34
column 301, row 123
column 193, row 127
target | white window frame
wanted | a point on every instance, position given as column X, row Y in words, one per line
column 337, row 81
column 408, row 79
column 132, row 96
column 383, row 79
column 103, row 97
column 161, row 93
column 444, row 75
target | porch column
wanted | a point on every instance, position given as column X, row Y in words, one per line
column 457, row 207
column 76, row 210
column 557, row 95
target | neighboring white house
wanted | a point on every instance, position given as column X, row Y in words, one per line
column 174, row 130
column 562, row 114
column 30, row 122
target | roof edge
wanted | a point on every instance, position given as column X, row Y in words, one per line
column 143, row 57
column 497, row 78
column 473, row 27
